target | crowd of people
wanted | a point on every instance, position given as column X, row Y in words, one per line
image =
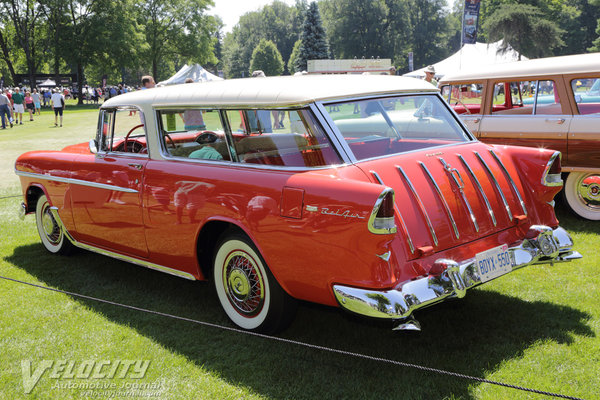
column 16, row 101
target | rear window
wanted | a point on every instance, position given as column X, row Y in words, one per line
column 393, row 125
column 586, row 92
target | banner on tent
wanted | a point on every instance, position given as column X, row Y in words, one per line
column 470, row 18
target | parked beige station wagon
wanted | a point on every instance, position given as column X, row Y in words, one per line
column 549, row 103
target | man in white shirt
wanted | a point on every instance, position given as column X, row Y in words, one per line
column 58, row 105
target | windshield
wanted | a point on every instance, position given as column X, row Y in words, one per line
column 394, row 125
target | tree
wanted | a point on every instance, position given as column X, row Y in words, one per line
column 313, row 41
column 525, row 28
column 176, row 27
column 267, row 58
column 25, row 17
column 277, row 22
column 293, row 57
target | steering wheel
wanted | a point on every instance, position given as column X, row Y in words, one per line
column 127, row 137
column 459, row 101
column 207, row 137
column 170, row 139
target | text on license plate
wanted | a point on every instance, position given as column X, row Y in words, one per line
column 493, row 262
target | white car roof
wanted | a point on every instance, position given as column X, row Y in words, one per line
column 577, row 64
column 271, row 91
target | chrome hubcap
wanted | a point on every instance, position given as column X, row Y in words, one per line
column 49, row 226
column 588, row 190
column 243, row 283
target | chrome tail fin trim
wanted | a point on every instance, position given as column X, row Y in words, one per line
column 443, row 199
column 495, row 181
column 420, row 203
column 411, row 246
column 510, row 180
column 478, row 186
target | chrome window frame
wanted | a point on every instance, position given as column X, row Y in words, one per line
column 103, row 153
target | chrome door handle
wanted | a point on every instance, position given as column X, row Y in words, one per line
column 136, row 166
column 558, row 121
column 473, row 120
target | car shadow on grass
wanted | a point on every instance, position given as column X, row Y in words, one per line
column 471, row 336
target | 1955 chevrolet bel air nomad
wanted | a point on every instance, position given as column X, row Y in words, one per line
column 364, row 192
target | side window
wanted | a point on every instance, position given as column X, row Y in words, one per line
column 122, row 131
column 548, row 102
column 463, row 97
column 289, row 138
column 193, row 133
column 514, row 97
column 586, row 92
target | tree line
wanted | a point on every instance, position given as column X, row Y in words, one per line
column 124, row 39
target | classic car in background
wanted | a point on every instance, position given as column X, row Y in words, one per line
column 551, row 103
column 364, row 192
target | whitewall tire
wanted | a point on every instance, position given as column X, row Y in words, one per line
column 582, row 194
column 248, row 292
column 51, row 232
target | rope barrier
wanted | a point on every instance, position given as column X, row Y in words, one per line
column 298, row 343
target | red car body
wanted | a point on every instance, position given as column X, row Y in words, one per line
column 381, row 225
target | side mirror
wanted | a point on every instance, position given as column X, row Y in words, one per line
column 93, row 146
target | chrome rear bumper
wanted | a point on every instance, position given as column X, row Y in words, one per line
column 547, row 246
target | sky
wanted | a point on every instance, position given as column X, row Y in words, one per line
column 230, row 11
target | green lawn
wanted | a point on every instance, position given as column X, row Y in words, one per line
column 537, row 327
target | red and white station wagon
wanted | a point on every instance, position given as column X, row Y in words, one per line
column 364, row 192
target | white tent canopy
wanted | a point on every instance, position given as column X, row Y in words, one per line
column 195, row 71
column 47, row 83
column 471, row 57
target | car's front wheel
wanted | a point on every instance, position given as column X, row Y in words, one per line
column 582, row 194
column 51, row 232
column 248, row 292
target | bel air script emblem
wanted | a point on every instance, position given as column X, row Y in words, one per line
column 337, row 213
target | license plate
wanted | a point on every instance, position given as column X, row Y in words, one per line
column 493, row 263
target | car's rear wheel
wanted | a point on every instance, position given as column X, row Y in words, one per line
column 248, row 292
column 582, row 194
column 51, row 232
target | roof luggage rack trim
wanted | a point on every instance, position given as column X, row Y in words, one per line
column 411, row 246
column 420, row 203
column 510, row 180
column 489, row 171
column 478, row 185
column 444, row 202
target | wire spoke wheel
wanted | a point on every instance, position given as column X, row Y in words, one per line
column 247, row 290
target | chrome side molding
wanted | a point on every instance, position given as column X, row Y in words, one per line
column 420, row 203
column 443, row 199
column 478, row 186
column 496, row 184
column 511, row 181
column 118, row 256
column 452, row 279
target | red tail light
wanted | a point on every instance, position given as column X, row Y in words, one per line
column 382, row 219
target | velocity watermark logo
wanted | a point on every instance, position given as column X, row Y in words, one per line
column 79, row 373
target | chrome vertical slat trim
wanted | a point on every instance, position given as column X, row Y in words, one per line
column 420, row 203
column 478, row 185
column 411, row 246
column 443, row 199
column 510, row 180
column 489, row 171
column 460, row 184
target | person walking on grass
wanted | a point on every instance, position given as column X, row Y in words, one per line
column 37, row 102
column 58, row 105
column 18, row 100
column 5, row 110
column 29, row 105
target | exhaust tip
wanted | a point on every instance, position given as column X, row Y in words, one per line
column 409, row 324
